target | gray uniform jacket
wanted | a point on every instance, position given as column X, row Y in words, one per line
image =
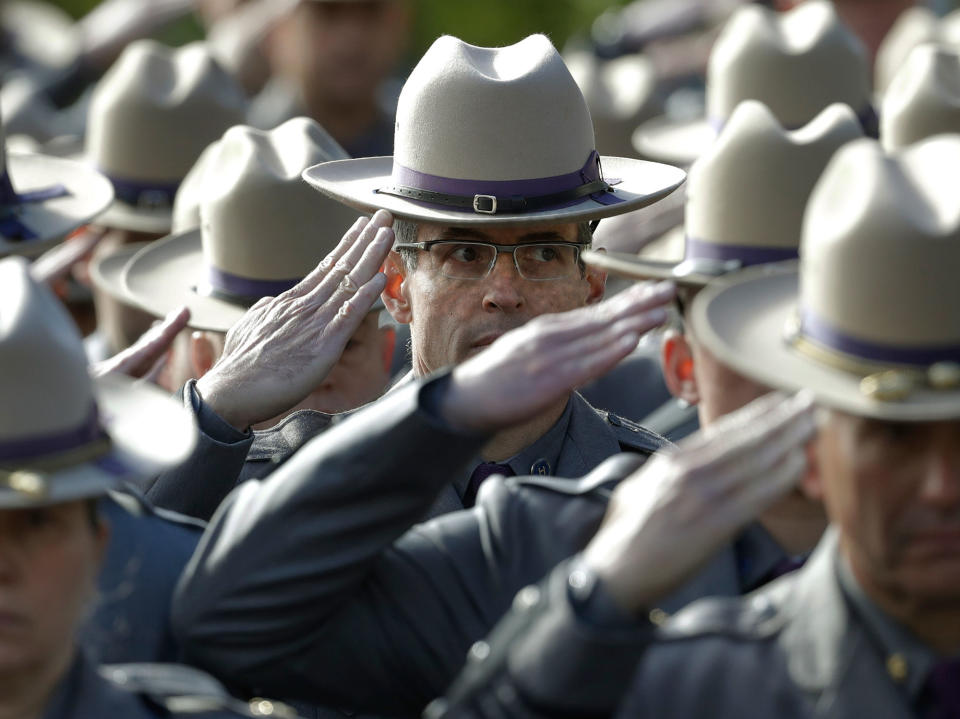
column 793, row 650
column 311, row 584
column 224, row 457
column 148, row 691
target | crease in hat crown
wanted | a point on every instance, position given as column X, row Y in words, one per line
column 924, row 97
column 261, row 228
column 150, row 117
column 881, row 245
column 796, row 62
column 471, row 131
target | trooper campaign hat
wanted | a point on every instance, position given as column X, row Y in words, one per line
column 870, row 321
column 745, row 196
column 262, row 228
column 150, row 117
column 915, row 26
column 796, row 63
column 494, row 136
column 924, row 97
column 64, row 436
column 43, row 199
column 620, row 94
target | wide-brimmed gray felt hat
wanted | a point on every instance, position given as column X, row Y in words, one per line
column 150, row 117
column 870, row 320
column 745, row 197
column 924, row 98
column 494, row 136
column 43, row 199
column 796, row 63
column 64, row 436
column 262, row 228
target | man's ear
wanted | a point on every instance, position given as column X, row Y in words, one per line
column 597, row 282
column 677, row 360
column 394, row 295
column 203, row 353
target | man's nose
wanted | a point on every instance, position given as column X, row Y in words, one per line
column 941, row 480
column 502, row 286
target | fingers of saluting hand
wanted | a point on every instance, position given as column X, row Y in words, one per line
column 146, row 354
column 357, row 267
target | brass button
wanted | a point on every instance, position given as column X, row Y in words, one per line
column 889, row 386
column 897, row 667
column 944, row 375
column 658, row 617
column 261, row 707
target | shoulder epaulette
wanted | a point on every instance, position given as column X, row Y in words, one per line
column 632, row 436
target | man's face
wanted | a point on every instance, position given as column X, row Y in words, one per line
column 342, row 51
column 452, row 319
column 894, row 491
column 721, row 389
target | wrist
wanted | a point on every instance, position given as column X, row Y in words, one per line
column 457, row 407
column 217, row 402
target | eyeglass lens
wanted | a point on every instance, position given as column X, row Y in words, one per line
column 474, row 260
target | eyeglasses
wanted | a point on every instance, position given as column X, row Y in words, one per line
column 537, row 261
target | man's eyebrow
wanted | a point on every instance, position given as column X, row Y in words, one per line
column 543, row 236
column 463, row 233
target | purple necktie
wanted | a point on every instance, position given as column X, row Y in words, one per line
column 483, row 470
column 942, row 690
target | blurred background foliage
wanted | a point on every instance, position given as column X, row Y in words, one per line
column 480, row 22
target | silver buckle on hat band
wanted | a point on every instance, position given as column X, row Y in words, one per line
column 490, row 206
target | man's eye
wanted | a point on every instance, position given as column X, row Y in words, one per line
column 464, row 253
column 39, row 518
column 546, row 254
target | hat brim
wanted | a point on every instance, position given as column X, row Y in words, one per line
column 355, row 182
column 168, row 274
column 125, row 217
column 90, row 193
column 107, row 272
column 741, row 319
column 679, row 143
column 634, row 267
column 149, row 432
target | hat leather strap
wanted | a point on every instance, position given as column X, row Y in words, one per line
column 11, row 227
column 144, row 195
column 815, row 329
column 491, row 197
column 37, row 448
column 744, row 255
column 241, row 291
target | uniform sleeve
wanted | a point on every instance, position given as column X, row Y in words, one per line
column 197, row 486
column 297, row 589
column 557, row 653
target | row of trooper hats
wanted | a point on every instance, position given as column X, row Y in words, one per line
column 796, row 63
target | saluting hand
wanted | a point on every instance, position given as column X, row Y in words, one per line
column 284, row 346
column 530, row 368
column 682, row 506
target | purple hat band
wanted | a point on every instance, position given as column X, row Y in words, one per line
column 535, row 194
column 243, row 290
column 815, row 328
column 745, row 255
column 867, row 116
column 144, row 195
column 11, row 227
column 40, row 446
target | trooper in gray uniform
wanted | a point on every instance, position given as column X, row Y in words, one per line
column 72, row 441
column 871, row 625
column 488, row 237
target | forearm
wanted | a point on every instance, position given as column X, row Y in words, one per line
column 282, row 554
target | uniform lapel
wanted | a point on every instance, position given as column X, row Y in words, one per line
column 589, row 441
